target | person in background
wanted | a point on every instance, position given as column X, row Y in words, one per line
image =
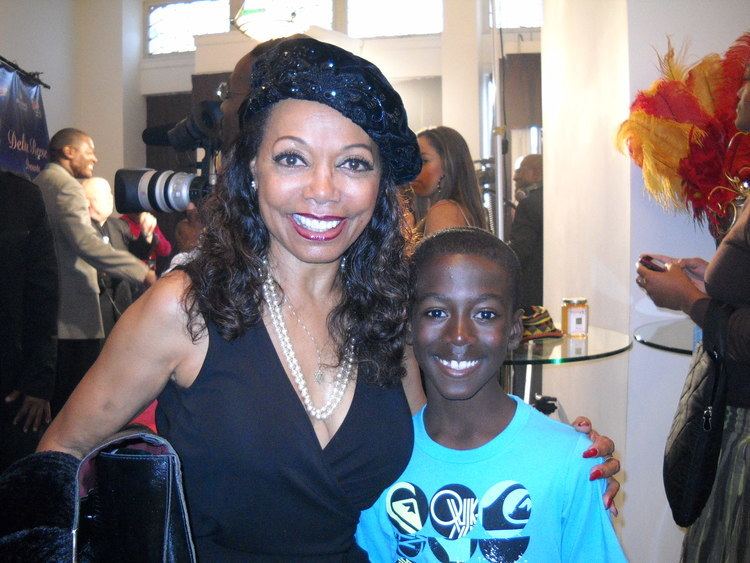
column 28, row 317
column 490, row 477
column 80, row 253
column 527, row 230
column 721, row 531
column 144, row 222
column 187, row 238
column 448, row 180
column 116, row 294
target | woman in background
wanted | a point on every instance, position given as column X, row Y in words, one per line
column 448, row 181
column 722, row 531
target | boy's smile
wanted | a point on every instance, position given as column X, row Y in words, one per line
column 463, row 323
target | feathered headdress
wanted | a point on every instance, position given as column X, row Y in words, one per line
column 681, row 132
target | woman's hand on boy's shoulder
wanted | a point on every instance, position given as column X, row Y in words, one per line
column 602, row 446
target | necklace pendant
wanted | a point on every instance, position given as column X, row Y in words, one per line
column 318, row 376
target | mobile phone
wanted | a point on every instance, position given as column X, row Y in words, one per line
column 652, row 263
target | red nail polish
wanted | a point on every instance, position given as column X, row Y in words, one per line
column 609, row 503
column 595, row 474
column 591, row 452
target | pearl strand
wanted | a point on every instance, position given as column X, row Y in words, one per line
column 342, row 377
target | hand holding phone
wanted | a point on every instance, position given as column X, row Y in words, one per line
column 653, row 264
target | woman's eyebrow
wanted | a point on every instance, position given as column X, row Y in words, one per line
column 291, row 138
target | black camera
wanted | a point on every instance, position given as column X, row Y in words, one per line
column 146, row 189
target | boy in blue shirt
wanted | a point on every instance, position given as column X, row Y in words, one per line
column 490, row 478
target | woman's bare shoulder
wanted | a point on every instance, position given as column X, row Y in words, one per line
column 444, row 214
column 164, row 301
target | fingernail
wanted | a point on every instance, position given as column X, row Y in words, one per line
column 608, row 504
column 591, row 452
column 582, row 423
column 595, row 474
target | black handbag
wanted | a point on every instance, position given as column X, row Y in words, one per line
column 123, row 502
column 694, row 441
column 132, row 505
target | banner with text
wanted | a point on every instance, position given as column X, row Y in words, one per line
column 23, row 127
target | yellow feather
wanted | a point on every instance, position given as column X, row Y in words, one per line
column 703, row 79
column 657, row 145
column 671, row 64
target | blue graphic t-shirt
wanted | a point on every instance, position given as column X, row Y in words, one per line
column 523, row 496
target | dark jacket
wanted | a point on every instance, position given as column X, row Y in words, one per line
column 526, row 240
column 28, row 290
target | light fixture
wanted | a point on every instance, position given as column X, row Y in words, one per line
column 267, row 19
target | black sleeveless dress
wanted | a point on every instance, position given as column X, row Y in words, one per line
column 259, row 487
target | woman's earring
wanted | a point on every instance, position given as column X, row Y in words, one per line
column 439, row 186
column 253, row 185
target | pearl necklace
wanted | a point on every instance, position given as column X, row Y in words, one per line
column 342, row 377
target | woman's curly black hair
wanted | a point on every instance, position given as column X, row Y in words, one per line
column 228, row 272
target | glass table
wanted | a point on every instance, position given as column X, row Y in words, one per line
column 598, row 343
column 671, row 335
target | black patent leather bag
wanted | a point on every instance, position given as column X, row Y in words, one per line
column 131, row 502
column 694, row 442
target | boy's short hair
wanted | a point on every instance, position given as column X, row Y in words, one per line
column 467, row 240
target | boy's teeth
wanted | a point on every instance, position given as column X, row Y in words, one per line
column 459, row 365
column 317, row 225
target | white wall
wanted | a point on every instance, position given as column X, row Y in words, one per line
column 461, row 39
column 108, row 104
column 586, row 197
column 37, row 35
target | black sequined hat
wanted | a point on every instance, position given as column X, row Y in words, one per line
column 307, row 69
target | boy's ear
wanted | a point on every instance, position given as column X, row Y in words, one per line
column 516, row 330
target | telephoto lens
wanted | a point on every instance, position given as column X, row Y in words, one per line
column 146, row 189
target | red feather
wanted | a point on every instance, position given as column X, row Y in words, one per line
column 672, row 100
column 733, row 68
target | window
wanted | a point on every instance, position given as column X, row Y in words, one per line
column 368, row 18
column 512, row 14
column 172, row 26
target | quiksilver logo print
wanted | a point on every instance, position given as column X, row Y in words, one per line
column 440, row 529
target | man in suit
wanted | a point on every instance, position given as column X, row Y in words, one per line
column 80, row 252
column 526, row 240
column 526, row 234
column 28, row 317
